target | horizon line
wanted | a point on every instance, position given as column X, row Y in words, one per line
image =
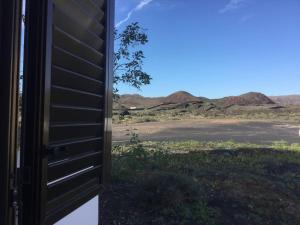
column 202, row 96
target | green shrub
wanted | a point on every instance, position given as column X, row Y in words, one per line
column 174, row 197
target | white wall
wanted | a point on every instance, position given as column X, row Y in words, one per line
column 85, row 215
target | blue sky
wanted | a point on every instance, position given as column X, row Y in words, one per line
column 217, row 48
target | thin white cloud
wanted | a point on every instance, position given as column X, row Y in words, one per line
column 246, row 18
column 233, row 5
column 140, row 6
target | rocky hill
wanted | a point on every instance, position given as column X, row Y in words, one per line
column 181, row 97
column 251, row 98
column 139, row 101
column 286, row 100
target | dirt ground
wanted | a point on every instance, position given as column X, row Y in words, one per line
column 258, row 132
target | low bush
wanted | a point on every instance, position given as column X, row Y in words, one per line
column 204, row 183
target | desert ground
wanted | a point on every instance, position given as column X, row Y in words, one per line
column 258, row 132
column 252, row 117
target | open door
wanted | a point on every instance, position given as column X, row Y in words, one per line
column 9, row 64
column 66, row 140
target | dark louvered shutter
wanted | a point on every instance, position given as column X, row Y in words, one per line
column 9, row 52
column 67, row 138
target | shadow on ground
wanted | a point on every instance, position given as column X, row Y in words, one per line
column 154, row 185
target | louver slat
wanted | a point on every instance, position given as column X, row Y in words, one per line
column 71, row 200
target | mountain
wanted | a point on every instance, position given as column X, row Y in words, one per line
column 181, row 97
column 286, row 100
column 146, row 102
column 251, row 98
column 138, row 101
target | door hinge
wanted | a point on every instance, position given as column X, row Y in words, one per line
column 14, row 191
column 17, row 181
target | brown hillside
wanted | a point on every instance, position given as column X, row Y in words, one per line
column 145, row 102
column 248, row 99
column 138, row 101
column 181, row 97
column 286, row 100
column 251, row 98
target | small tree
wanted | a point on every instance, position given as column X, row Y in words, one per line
column 128, row 58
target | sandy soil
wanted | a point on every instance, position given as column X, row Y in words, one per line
column 209, row 130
